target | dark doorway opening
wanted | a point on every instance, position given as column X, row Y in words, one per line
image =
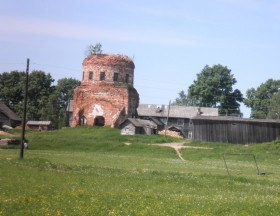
column 83, row 120
column 99, row 121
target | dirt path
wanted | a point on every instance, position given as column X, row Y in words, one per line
column 178, row 146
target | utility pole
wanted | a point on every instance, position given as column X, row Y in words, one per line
column 24, row 111
column 167, row 118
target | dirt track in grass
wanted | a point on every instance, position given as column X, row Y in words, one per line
column 178, row 146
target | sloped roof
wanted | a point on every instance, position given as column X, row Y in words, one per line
column 38, row 123
column 154, row 110
column 141, row 122
column 8, row 112
column 157, row 121
column 235, row 119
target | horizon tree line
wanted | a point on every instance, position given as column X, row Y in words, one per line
column 212, row 88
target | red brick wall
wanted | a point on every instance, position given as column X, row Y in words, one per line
column 114, row 101
column 109, row 64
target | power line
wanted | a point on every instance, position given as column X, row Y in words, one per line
column 55, row 66
column 12, row 63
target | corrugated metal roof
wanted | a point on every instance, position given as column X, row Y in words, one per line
column 38, row 123
column 154, row 110
column 8, row 112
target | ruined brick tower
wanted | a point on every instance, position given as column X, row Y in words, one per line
column 106, row 95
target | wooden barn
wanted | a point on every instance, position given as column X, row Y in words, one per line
column 234, row 130
column 133, row 126
column 174, row 117
column 8, row 117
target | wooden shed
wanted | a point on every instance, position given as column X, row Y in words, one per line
column 234, row 130
column 8, row 117
column 133, row 126
column 39, row 125
column 178, row 116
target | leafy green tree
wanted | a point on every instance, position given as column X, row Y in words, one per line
column 64, row 92
column 39, row 89
column 51, row 111
column 214, row 88
column 182, row 100
column 11, row 89
column 56, row 103
column 94, row 49
column 45, row 100
column 274, row 109
column 65, row 88
column 263, row 100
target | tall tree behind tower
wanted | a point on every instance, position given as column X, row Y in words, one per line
column 214, row 88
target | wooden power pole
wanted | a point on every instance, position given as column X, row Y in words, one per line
column 24, row 111
column 167, row 118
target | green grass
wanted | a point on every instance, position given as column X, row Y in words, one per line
column 92, row 171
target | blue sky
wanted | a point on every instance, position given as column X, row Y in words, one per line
column 169, row 41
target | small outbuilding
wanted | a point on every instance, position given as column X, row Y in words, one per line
column 69, row 111
column 132, row 126
column 174, row 117
column 234, row 130
column 39, row 125
column 8, row 117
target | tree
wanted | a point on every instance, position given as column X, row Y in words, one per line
column 183, row 99
column 39, row 89
column 94, row 49
column 11, row 89
column 45, row 100
column 56, row 103
column 65, row 88
column 274, row 109
column 262, row 100
column 51, row 111
column 214, row 88
column 64, row 92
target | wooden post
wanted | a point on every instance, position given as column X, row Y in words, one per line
column 24, row 111
column 167, row 118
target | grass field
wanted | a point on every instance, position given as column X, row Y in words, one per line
column 96, row 171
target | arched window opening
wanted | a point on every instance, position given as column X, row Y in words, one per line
column 90, row 75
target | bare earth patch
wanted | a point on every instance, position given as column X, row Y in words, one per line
column 178, row 146
column 4, row 133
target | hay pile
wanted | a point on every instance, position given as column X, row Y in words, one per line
column 170, row 133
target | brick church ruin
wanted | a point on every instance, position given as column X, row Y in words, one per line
column 106, row 95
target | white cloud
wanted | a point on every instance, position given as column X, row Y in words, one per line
column 22, row 25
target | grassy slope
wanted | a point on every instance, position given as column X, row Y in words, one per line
column 91, row 171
